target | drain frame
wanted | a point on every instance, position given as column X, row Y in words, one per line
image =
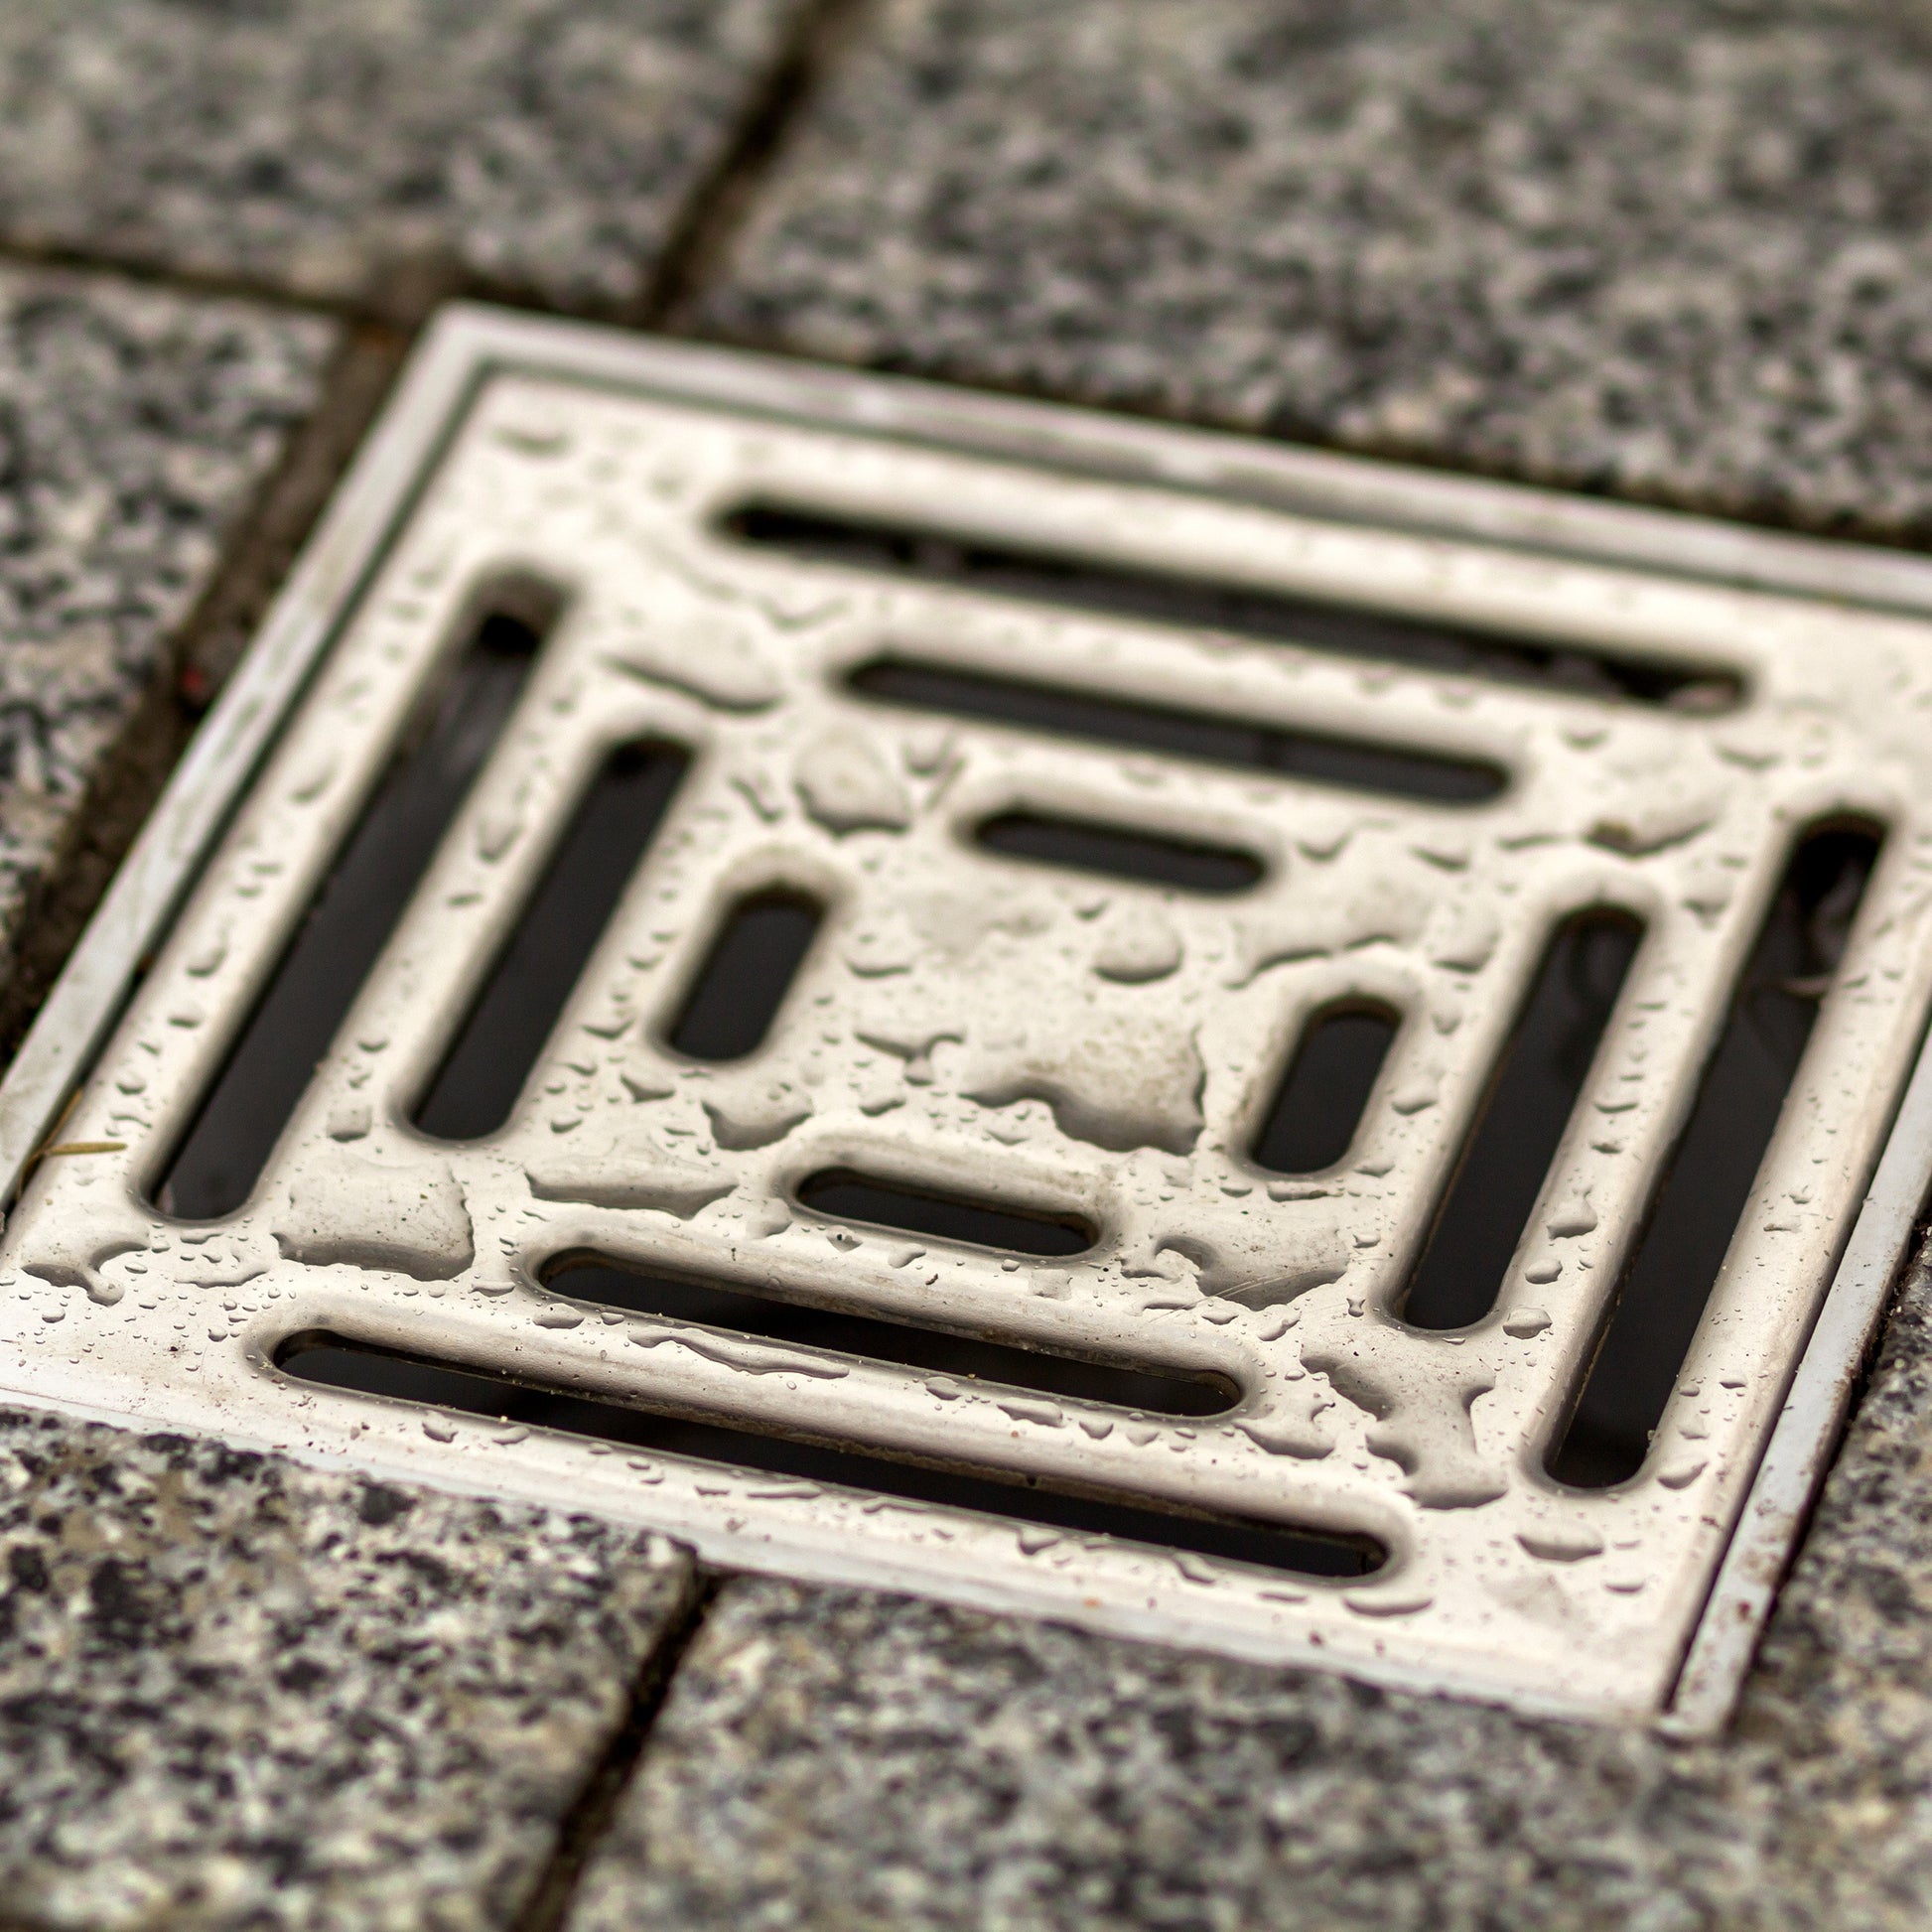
column 466, row 349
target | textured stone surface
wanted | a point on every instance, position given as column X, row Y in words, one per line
column 237, row 1693
column 834, row 1759
column 373, row 149
column 1674, row 248
column 135, row 428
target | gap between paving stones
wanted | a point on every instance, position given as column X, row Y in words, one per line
column 694, row 254
column 588, row 1819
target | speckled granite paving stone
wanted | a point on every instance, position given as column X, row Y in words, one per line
column 1675, row 248
column 237, row 1693
column 374, row 150
column 850, row 1762
column 135, row 428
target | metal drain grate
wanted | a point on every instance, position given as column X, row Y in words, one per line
column 975, row 997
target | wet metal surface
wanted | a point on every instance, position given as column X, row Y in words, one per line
column 1027, row 1034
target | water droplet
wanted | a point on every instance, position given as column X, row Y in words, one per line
column 439, row 1429
column 1522, row 1324
column 497, row 832
column 1047, row 1415
column 1138, row 947
column 848, row 787
column 312, row 783
column 1397, row 1605
column 1573, row 1219
column 1561, row 1545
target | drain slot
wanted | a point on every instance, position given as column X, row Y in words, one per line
column 1531, row 1098
column 1110, row 590
column 746, row 976
column 842, row 1195
column 537, row 968
column 330, row 1361
column 738, row 1312
column 1317, row 1109
column 1713, row 1168
column 444, row 744
column 1199, row 736
column 1120, row 852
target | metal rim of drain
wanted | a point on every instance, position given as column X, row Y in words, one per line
column 1518, row 565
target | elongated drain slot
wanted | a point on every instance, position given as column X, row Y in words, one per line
column 1531, row 1098
column 537, row 968
column 1714, row 1169
column 1120, row 852
column 1361, row 631
column 843, row 1195
column 734, row 1311
column 331, row 1361
column 752, row 961
column 1201, row 737
column 1318, row 1110
column 452, row 733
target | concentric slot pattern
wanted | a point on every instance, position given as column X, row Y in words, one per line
column 1091, row 1053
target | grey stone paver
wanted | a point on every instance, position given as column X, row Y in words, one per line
column 375, row 151
column 136, row 427
column 237, row 1693
column 848, row 1762
column 1673, row 249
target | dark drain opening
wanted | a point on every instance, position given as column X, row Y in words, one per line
column 1318, row 1107
column 1113, row 589
column 330, row 1361
column 1714, row 1169
column 450, row 735
column 746, row 976
column 842, row 1195
column 1532, row 1096
column 740, row 1311
column 539, row 965
column 1198, row 736
column 1120, row 852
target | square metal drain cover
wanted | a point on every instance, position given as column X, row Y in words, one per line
column 1229, row 1044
